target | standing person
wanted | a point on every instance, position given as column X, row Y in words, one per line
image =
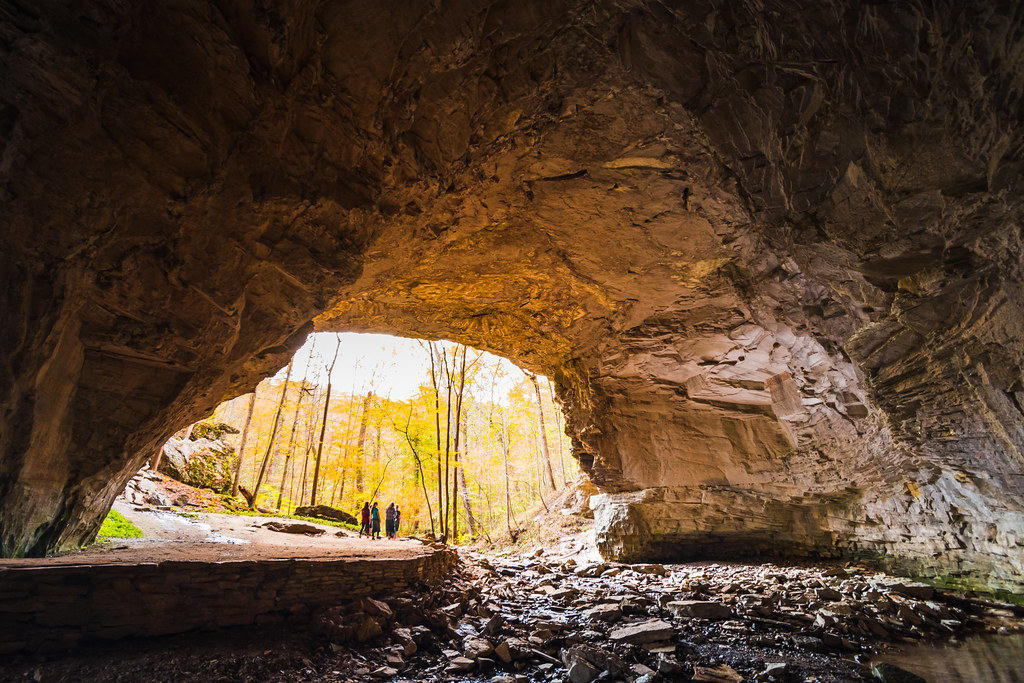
column 389, row 520
column 398, row 519
column 364, row 522
column 374, row 521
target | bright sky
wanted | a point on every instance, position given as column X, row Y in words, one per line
column 394, row 365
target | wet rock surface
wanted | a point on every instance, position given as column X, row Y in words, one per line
column 498, row 620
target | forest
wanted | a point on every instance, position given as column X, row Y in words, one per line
column 476, row 448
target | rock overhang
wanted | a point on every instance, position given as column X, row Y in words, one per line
column 756, row 274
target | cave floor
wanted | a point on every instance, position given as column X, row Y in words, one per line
column 216, row 537
column 557, row 603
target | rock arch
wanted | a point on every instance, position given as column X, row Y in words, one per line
column 772, row 258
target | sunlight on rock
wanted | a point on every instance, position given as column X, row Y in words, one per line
column 759, row 263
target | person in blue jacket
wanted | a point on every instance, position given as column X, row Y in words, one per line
column 375, row 521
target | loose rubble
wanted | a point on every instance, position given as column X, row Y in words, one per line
column 550, row 619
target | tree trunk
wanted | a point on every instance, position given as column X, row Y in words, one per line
column 486, row 493
column 291, row 439
column 305, row 472
column 344, row 459
column 154, row 462
column 303, row 390
column 291, row 488
column 441, row 518
column 543, row 430
column 245, row 437
column 310, row 431
column 509, row 514
column 323, row 424
column 460, row 472
column 419, row 466
column 448, row 481
column 273, row 434
column 334, row 491
column 447, row 374
column 361, row 441
column 561, row 436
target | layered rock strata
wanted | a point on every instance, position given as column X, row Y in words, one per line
column 53, row 608
column 771, row 255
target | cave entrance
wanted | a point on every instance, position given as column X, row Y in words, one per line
column 466, row 444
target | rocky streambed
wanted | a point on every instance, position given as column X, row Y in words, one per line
column 540, row 620
column 548, row 618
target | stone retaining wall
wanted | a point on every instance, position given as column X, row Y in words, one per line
column 57, row 607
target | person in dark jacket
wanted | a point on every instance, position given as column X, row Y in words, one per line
column 364, row 522
column 389, row 520
column 375, row 521
column 398, row 520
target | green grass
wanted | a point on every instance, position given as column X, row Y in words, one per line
column 116, row 526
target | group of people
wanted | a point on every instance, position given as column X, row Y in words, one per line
column 370, row 520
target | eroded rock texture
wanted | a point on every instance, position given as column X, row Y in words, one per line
column 771, row 251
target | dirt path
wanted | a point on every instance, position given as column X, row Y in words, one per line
column 213, row 537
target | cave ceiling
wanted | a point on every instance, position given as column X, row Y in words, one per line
column 770, row 252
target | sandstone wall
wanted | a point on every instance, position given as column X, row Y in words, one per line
column 771, row 252
column 61, row 606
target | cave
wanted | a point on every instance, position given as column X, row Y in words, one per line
column 770, row 254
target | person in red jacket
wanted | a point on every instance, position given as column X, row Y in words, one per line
column 365, row 520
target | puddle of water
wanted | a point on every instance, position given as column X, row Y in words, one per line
column 174, row 522
column 221, row 538
column 173, row 519
column 978, row 659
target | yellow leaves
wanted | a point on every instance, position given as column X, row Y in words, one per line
column 394, row 450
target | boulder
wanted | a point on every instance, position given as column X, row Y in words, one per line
column 367, row 627
column 376, row 608
column 405, row 640
column 921, row 591
column 326, row 512
column 580, row 670
column 294, row 528
column 461, row 664
column 474, row 647
column 587, row 662
column 699, row 609
column 493, row 626
column 721, row 673
column 200, row 462
column 602, row 613
column 650, row 631
column 513, row 649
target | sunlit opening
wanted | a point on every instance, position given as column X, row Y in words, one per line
column 464, row 443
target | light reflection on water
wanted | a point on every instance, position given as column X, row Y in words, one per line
column 978, row 659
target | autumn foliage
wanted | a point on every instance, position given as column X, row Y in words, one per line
column 479, row 446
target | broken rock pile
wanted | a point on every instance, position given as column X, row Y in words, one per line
column 524, row 620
